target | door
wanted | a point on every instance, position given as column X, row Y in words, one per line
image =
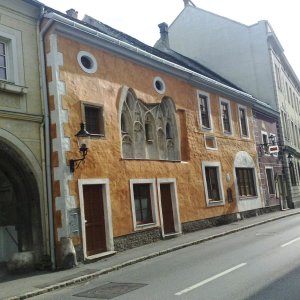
column 167, row 208
column 94, row 219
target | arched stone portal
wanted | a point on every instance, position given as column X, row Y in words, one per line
column 20, row 214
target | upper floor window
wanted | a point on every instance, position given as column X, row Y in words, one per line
column 278, row 78
column 226, row 116
column 93, row 117
column 3, row 63
column 204, row 110
column 265, row 141
column 243, row 121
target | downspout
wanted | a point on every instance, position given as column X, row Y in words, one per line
column 47, row 162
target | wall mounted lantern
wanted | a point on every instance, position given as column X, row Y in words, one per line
column 83, row 138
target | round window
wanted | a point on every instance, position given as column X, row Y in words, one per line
column 159, row 85
column 87, row 62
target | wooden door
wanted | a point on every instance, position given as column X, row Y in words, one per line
column 167, row 208
column 94, row 219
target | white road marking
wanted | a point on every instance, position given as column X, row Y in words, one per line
column 210, row 279
column 290, row 242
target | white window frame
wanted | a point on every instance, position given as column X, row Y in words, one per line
column 247, row 121
column 273, row 183
column 152, row 183
column 262, row 141
column 12, row 61
column 91, row 58
column 207, row 136
column 210, row 128
column 217, row 164
column 223, row 100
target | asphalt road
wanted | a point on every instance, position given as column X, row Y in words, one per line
column 259, row 263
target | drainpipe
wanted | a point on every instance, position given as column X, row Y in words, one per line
column 47, row 163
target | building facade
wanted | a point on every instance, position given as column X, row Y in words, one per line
column 253, row 58
column 23, row 194
column 171, row 145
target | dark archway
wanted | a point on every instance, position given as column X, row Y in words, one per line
column 20, row 214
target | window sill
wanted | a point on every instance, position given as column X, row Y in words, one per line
column 215, row 203
column 145, row 226
column 248, row 197
column 97, row 135
column 10, row 87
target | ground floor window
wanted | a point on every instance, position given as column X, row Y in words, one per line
column 292, row 174
column 212, row 181
column 245, row 181
column 142, row 203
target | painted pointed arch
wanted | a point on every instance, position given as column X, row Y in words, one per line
column 127, row 105
column 170, row 128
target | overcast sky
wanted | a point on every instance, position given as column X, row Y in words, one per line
column 139, row 18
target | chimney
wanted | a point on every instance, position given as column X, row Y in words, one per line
column 186, row 3
column 72, row 13
column 164, row 34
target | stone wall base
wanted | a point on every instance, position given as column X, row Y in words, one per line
column 137, row 239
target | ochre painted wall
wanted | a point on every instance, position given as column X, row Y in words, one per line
column 104, row 159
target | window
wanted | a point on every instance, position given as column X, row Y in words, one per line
column 265, row 142
column 278, row 77
column 143, row 203
column 212, row 183
column 292, row 173
column 11, row 58
column 243, row 121
column 245, row 181
column 210, row 142
column 94, row 119
column 87, row 62
column 3, row 58
column 204, row 110
column 226, row 117
column 270, row 180
column 159, row 85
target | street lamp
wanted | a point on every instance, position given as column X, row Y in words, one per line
column 83, row 138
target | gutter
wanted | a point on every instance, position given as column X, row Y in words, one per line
column 220, row 86
column 47, row 163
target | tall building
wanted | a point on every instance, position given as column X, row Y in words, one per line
column 24, row 226
column 253, row 58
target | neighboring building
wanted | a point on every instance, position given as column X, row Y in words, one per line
column 253, row 58
column 272, row 172
column 23, row 195
column 172, row 148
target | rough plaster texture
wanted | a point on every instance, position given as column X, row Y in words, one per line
column 104, row 158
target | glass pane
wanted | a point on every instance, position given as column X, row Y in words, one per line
column 2, row 61
column 138, row 216
column 137, row 204
column 3, row 73
column 144, row 203
column 2, row 49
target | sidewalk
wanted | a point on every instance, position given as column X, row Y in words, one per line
column 23, row 287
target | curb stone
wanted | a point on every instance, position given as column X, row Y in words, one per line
column 96, row 274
